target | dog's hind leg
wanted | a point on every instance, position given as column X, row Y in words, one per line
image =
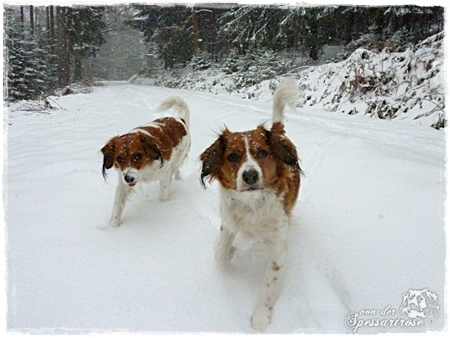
column 178, row 175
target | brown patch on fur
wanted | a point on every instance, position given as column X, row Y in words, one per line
column 275, row 266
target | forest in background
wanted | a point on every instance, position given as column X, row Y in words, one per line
column 50, row 47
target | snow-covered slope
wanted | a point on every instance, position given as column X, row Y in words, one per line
column 368, row 227
column 406, row 86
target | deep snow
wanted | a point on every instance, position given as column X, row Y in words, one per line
column 368, row 227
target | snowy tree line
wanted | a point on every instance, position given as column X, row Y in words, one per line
column 48, row 47
column 177, row 33
column 45, row 46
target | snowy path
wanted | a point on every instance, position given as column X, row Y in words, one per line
column 368, row 227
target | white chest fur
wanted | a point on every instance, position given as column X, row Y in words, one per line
column 255, row 213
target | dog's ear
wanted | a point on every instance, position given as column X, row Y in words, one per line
column 108, row 156
column 212, row 159
column 281, row 146
column 152, row 149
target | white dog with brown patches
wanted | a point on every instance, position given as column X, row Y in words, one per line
column 151, row 152
column 259, row 175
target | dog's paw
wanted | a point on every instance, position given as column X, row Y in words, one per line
column 232, row 252
column 114, row 223
column 178, row 175
column 261, row 318
column 222, row 257
column 164, row 196
column 106, row 227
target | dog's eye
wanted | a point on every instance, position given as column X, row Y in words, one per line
column 138, row 157
column 233, row 157
column 261, row 154
column 119, row 159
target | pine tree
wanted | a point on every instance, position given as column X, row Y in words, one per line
column 275, row 28
column 170, row 28
column 200, row 61
column 254, row 26
column 84, row 30
column 28, row 55
column 254, row 67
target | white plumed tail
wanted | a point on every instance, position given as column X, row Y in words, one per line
column 286, row 94
column 179, row 105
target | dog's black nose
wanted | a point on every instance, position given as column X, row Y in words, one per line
column 250, row 176
column 129, row 179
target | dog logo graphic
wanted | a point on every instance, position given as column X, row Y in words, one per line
column 419, row 304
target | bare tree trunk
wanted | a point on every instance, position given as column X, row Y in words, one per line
column 78, row 71
column 63, row 51
column 47, row 22
column 195, row 36
column 32, row 19
column 22, row 16
column 52, row 22
column 313, row 41
column 52, row 30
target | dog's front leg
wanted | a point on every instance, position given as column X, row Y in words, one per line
column 271, row 283
column 164, row 186
column 120, row 198
column 224, row 249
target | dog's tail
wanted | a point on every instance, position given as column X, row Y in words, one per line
column 179, row 105
column 286, row 93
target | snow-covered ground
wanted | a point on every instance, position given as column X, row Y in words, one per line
column 368, row 227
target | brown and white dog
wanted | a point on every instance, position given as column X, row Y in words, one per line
column 147, row 153
column 259, row 176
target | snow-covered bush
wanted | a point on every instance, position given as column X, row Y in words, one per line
column 231, row 63
column 200, row 61
column 398, row 42
column 404, row 86
column 236, row 73
column 254, row 67
column 401, row 40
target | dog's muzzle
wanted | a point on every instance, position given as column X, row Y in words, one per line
column 250, row 176
column 130, row 178
column 251, row 179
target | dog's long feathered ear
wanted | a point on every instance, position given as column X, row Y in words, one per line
column 152, row 149
column 108, row 157
column 282, row 147
column 211, row 158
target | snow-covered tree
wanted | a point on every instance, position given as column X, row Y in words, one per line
column 84, row 29
column 28, row 55
column 170, row 28
column 200, row 61
column 31, row 45
column 254, row 67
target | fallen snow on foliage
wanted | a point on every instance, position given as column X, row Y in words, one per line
column 406, row 86
column 367, row 229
